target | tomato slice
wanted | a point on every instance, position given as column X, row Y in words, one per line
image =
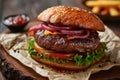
column 51, row 53
column 31, row 33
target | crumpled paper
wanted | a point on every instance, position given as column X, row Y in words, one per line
column 17, row 44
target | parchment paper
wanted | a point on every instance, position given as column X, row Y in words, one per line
column 17, row 44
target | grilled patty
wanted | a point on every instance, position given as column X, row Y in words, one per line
column 60, row 42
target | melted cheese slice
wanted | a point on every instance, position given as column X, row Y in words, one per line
column 46, row 32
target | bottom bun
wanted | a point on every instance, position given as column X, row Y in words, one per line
column 66, row 66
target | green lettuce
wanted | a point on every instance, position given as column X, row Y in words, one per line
column 79, row 59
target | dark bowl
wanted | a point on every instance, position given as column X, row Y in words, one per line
column 13, row 26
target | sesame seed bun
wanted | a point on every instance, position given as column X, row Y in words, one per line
column 71, row 16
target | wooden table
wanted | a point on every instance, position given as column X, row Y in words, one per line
column 34, row 7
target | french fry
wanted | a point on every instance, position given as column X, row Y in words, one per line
column 105, row 7
column 119, row 7
column 105, row 11
column 103, row 3
column 96, row 9
column 113, row 12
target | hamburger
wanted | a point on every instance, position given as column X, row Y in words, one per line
column 67, row 38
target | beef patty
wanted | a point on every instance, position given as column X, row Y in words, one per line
column 60, row 42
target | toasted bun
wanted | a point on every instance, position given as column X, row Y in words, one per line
column 66, row 66
column 71, row 16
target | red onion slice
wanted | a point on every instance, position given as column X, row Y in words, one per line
column 80, row 36
column 72, row 31
column 48, row 28
column 35, row 28
column 59, row 27
column 72, row 34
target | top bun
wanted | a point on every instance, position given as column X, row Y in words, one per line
column 71, row 16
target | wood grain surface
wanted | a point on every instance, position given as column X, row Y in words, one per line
column 12, row 69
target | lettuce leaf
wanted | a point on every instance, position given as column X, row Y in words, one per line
column 31, row 47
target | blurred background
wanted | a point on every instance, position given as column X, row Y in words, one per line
column 34, row 7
